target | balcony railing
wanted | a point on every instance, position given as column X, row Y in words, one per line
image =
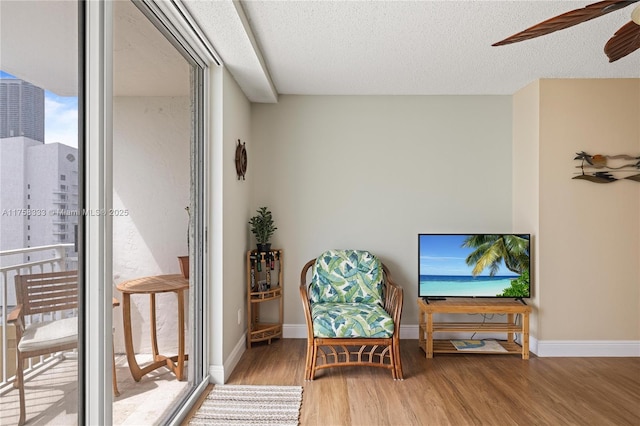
column 52, row 258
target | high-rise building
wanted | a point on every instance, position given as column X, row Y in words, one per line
column 38, row 181
column 21, row 109
column 38, row 199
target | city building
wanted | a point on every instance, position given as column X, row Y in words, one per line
column 39, row 198
column 21, row 109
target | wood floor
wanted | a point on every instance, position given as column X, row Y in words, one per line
column 454, row 389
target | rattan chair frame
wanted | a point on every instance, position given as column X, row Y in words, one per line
column 343, row 352
column 44, row 293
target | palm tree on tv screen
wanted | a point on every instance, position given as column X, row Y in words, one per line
column 490, row 250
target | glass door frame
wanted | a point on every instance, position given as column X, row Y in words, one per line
column 95, row 194
column 95, row 231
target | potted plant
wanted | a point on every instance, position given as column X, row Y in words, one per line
column 263, row 228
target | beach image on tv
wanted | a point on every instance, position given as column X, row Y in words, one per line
column 474, row 265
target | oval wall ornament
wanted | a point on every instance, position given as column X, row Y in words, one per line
column 241, row 160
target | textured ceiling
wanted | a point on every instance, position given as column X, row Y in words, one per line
column 407, row 47
column 328, row 47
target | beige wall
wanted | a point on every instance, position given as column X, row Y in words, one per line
column 371, row 172
column 526, row 166
column 588, row 248
column 589, row 235
column 228, row 229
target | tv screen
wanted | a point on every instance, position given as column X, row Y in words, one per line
column 474, row 265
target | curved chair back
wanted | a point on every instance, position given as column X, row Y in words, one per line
column 347, row 276
column 349, row 301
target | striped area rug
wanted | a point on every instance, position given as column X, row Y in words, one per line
column 250, row 405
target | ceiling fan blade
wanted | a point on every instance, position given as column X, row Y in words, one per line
column 623, row 42
column 567, row 20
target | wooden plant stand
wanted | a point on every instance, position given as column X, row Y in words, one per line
column 510, row 307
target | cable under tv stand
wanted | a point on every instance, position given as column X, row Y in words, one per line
column 427, row 327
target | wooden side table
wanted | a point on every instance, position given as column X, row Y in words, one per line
column 152, row 286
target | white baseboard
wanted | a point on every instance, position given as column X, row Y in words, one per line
column 542, row 348
column 220, row 373
column 586, row 348
column 294, row 331
column 409, row 331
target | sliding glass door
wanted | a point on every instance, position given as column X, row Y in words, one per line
column 157, row 191
column 41, row 179
column 76, row 137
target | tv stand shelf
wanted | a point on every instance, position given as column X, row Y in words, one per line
column 427, row 327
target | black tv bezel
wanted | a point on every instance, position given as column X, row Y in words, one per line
column 442, row 297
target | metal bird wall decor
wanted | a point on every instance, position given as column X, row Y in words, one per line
column 600, row 161
column 625, row 41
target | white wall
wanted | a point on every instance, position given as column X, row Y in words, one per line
column 151, row 178
column 372, row 172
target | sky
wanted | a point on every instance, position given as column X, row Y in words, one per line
column 444, row 255
column 60, row 117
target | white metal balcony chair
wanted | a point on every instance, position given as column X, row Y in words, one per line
column 54, row 296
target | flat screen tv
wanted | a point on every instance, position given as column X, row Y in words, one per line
column 474, row 265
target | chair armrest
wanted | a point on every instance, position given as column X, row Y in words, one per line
column 393, row 299
column 304, row 295
column 14, row 315
column 15, row 318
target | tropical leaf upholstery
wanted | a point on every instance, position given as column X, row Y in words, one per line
column 350, row 320
column 347, row 276
column 350, row 302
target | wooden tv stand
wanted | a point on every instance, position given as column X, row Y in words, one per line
column 510, row 307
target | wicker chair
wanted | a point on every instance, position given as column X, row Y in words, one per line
column 352, row 309
column 55, row 296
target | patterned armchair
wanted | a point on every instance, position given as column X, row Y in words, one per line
column 352, row 309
